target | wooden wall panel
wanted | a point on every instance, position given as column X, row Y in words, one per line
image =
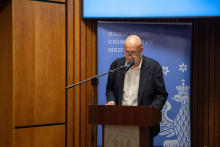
column 63, row 1
column 89, row 74
column 49, row 136
column 50, row 63
column 76, row 72
column 206, row 82
column 83, row 62
column 91, row 55
column 6, row 75
column 39, row 62
column 24, row 65
column 211, row 96
column 217, row 84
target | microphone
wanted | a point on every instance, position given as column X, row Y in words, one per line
column 127, row 67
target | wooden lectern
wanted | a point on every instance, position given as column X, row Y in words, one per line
column 141, row 116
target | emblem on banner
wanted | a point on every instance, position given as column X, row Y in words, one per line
column 180, row 126
column 165, row 70
column 183, row 67
column 121, row 138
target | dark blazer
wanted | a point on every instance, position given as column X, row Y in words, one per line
column 152, row 89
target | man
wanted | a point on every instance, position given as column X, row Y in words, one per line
column 141, row 85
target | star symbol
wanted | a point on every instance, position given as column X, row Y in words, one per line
column 183, row 67
column 165, row 70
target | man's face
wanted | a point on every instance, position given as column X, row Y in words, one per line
column 132, row 50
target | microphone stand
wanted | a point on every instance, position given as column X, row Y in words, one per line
column 94, row 83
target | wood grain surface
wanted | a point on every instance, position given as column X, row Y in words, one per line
column 70, row 74
column 39, row 62
column 48, row 136
column 81, row 65
column 6, row 76
column 56, row 1
column 125, row 115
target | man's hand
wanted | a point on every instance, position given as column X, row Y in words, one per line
column 110, row 103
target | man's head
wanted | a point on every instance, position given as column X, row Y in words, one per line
column 133, row 45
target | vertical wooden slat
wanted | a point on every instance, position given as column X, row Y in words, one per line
column 211, row 83
column 200, row 81
column 83, row 61
column 70, row 73
column 148, row 20
column 159, row 20
column 77, row 72
column 217, row 83
column 94, row 60
column 206, row 84
column 184, row 20
column 194, row 91
column 178, row 19
column 56, row 0
column 6, row 75
column 164, row 20
column 173, row 20
column 89, row 74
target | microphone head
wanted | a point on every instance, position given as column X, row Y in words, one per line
column 131, row 62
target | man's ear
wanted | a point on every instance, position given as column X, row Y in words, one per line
column 142, row 48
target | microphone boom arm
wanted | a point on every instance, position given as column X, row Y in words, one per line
column 109, row 72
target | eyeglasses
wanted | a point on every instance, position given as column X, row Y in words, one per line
column 130, row 54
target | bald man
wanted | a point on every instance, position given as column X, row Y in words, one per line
column 141, row 85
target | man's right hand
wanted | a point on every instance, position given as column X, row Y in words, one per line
column 110, row 103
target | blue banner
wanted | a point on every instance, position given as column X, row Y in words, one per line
column 170, row 45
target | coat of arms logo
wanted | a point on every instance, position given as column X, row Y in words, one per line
column 180, row 126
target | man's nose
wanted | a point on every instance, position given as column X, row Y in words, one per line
column 130, row 57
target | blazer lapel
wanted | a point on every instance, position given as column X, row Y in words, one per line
column 121, row 85
column 145, row 71
column 120, row 81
